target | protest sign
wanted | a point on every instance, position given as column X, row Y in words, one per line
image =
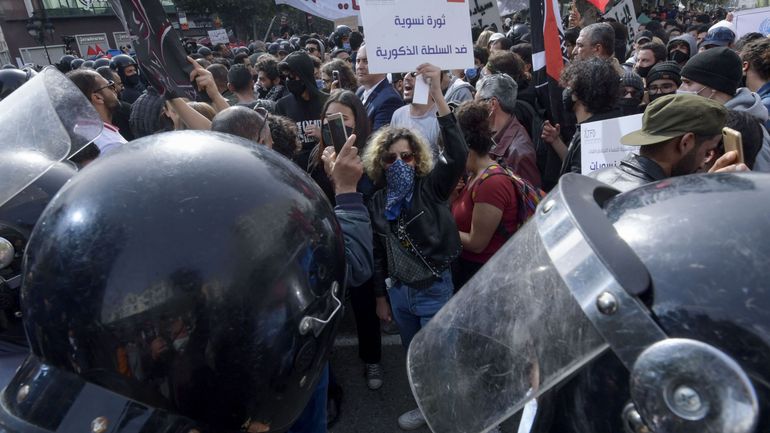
column 218, row 36
column 327, row 9
column 485, row 13
column 752, row 20
column 600, row 142
column 92, row 45
column 403, row 34
column 624, row 13
column 122, row 39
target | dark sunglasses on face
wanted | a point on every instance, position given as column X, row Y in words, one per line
column 110, row 84
column 391, row 157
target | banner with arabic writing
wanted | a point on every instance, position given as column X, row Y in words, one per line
column 485, row 13
column 403, row 34
column 158, row 47
column 327, row 9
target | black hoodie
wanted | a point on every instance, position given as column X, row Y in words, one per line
column 299, row 110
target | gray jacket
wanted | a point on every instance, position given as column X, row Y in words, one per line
column 353, row 218
column 750, row 102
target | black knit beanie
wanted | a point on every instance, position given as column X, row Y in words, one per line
column 718, row 68
column 665, row 71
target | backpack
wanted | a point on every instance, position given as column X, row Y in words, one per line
column 527, row 196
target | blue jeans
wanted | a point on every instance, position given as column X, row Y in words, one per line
column 313, row 418
column 413, row 308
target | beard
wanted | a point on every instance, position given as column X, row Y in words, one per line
column 689, row 164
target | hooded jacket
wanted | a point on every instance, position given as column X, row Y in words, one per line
column 303, row 112
column 750, row 102
column 691, row 41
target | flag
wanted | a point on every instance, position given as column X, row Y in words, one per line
column 91, row 52
column 159, row 51
column 549, row 55
column 600, row 4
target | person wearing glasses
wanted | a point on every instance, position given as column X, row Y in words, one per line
column 315, row 48
column 103, row 96
column 415, row 236
column 663, row 79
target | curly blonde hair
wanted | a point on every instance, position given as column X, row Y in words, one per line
column 381, row 142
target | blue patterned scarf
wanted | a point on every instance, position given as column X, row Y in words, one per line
column 400, row 180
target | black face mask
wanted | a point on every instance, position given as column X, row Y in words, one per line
column 629, row 106
column 296, row 87
column 678, row 56
column 643, row 71
column 327, row 134
column 132, row 80
column 566, row 100
column 660, row 95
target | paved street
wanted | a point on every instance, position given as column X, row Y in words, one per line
column 366, row 411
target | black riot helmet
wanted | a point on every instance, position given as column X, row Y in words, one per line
column 191, row 280
column 10, row 80
column 341, row 33
column 64, row 64
column 519, row 33
column 88, row 64
column 102, row 61
column 76, row 63
column 646, row 311
column 120, row 62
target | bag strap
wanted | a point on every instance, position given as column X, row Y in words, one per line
column 527, row 195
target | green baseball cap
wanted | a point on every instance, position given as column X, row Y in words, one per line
column 671, row 116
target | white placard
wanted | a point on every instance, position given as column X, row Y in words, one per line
column 327, row 9
column 403, row 34
column 752, row 20
column 600, row 142
column 485, row 13
column 218, row 36
column 624, row 13
column 92, row 45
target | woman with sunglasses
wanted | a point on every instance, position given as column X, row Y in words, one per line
column 415, row 236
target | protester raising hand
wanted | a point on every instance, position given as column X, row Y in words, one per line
column 344, row 169
column 432, row 75
column 552, row 135
column 205, row 83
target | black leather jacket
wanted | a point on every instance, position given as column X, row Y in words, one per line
column 432, row 228
column 632, row 172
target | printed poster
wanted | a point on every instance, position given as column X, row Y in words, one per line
column 624, row 13
column 485, row 13
column 403, row 34
column 92, row 45
column 600, row 142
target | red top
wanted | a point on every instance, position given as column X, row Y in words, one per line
column 497, row 191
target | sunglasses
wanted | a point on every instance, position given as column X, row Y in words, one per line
column 110, row 84
column 391, row 157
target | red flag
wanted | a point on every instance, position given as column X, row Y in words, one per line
column 91, row 51
column 99, row 50
column 600, row 4
column 554, row 62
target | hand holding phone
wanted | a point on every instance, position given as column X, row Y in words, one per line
column 733, row 140
column 337, row 131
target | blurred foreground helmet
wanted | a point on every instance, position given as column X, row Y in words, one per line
column 12, row 79
column 647, row 311
column 189, row 281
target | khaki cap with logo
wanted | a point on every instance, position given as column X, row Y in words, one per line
column 672, row 116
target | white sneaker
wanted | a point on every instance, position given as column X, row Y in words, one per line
column 411, row 420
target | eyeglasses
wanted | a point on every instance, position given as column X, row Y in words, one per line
column 391, row 157
column 663, row 88
column 110, row 84
column 262, row 111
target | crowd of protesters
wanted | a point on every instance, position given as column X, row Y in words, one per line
column 449, row 181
